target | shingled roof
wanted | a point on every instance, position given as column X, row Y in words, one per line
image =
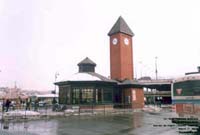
column 86, row 61
column 121, row 26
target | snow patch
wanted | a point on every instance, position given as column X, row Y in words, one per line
column 82, row 77
column 22, row 113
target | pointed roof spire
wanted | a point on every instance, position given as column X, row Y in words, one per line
column 121, row 26
column 87, row 61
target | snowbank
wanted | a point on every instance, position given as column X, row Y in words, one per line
column 22, row 113
column 152, row 109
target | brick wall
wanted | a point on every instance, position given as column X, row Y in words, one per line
column 121, row 58
column 138, row 100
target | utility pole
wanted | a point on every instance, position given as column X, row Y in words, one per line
column 156, row 69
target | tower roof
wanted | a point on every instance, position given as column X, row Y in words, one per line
column 121, row 26
column 86, row 61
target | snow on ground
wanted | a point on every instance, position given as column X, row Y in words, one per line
column 22, row 113
column 69, row 111
column 151, row 108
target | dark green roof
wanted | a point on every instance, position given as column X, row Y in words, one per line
column 86, row 61
column 121, row 27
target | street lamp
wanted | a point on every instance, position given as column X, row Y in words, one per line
column 156, row 70
column 56, row 76
column 54, row 102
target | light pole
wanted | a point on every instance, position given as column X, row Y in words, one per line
column 56, row 76
column 54, row 102
column 156, row 70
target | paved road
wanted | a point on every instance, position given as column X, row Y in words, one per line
column 125, row 124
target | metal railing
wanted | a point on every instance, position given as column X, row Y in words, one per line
column 47, row 110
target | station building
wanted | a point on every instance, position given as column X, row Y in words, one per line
column 120, row 90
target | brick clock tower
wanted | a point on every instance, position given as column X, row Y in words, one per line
column 121, row 54
column 121, row 64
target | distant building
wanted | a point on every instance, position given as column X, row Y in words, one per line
column 45, row 98
column 89, row 87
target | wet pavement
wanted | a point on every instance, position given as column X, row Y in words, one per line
column 2, row 132
column 138, row 123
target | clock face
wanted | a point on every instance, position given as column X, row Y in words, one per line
column 126, row 41
column 114, row 41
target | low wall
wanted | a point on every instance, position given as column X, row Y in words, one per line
column 188, row 108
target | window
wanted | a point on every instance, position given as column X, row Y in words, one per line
column 99, row 94
column 64, row 95
column 76, row 96
column 107, row 96
column 87, row 96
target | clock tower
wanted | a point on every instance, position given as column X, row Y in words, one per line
column 121, row 51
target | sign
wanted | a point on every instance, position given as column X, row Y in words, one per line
column 187, row 88
column 179, row 91
column 133, row 95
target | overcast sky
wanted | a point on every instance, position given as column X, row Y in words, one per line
column 41, row 37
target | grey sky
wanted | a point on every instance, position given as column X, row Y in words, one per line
column 41, row 37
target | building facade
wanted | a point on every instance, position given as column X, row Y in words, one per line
column 89, row 87
column 121, row 51
column 86, row 87
column 121, row 63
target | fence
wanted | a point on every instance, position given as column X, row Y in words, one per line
column 45, row 110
